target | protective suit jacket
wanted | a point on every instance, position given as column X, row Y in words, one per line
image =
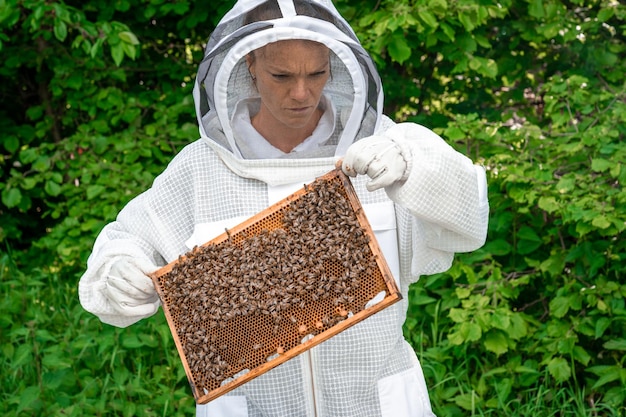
column 221, row 179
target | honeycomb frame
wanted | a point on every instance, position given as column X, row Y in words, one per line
column 261, row 326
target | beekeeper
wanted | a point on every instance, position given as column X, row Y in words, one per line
column 285, row 91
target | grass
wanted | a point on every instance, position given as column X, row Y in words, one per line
column 468, row 387
column 58, row 359
column 454, row 396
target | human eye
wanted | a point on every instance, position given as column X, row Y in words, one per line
column 279, row 76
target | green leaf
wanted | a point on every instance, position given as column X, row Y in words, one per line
column 459, row 315
column 60, row 30
column 28, row 397
column 466, row 21
column 602, row 324
column 460, row 66
column 74, row 81
column 549, row 204
column 617, row 344
column 467, row 332
column 11, row 144
column 100, row 143
column 94, row 191
column 462, row 292
column 448, row 31
column 151, row 130
column 566, row 185
column 129, row 50
column 22, row 356
column 518, row 328
column 456, row 338
column 500, row 320
column 468, row 45
column 29, row 155
column 601, row 222
column 581, row 355
column 486, row 66
column 11, row 197
column 42, row 164
column 55, row 379
column 131, row 341
column 601, row 165
column 29, row 183
column 559, row 306
column 454, row 133
column 528, row 233
column 398, row 48
column 482, row 41
column 496, row 342
column 62, row 13
column 615, row 170
column 467, row 401
column 38, row 13
column 605, row 14
column 498, row 247
column 421, row 299
column 605, row 58
column 128, row 37
column 428, row 18
column 528, row 241
column 130, row 408
column 471, row 331
column 96, row 47
column 149, row 340
column 52, row 188
column 8, row 15
column 583, row 228
column 535, row 9
column 117, row 53
column 559, row 369
column 553, row 265
column 607, row 375
column 524, row 369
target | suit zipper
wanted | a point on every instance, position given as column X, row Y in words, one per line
column 310, row 383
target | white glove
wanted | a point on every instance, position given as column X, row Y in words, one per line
column 130, row 291
column 379, row 158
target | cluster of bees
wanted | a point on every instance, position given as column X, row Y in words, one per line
column 299, row 278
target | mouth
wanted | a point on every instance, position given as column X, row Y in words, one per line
column 299, row 110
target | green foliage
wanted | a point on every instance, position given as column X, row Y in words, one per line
column 57, row 360
column 96, row 99
column 544, row 301
column 82, row 133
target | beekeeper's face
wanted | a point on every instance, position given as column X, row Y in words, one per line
column 290, row 76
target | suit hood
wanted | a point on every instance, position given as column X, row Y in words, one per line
column 223, row 79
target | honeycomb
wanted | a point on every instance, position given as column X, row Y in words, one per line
column 263, row 292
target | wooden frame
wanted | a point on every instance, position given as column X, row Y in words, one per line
column 383, row 281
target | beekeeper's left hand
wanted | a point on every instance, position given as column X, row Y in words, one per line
column 378, row 157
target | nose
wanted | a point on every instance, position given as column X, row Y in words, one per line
column 299, row 90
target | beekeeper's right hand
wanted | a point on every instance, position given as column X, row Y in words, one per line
column 130, row 291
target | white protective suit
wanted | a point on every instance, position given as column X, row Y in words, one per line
column 224, row 177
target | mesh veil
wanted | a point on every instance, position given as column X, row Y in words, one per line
column 354, row 87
